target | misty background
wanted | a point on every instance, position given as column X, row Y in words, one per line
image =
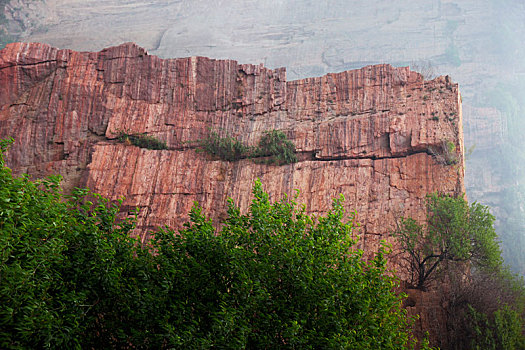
column 479, row 43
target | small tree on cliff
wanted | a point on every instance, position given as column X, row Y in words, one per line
column 486, row 310
column 453, row 232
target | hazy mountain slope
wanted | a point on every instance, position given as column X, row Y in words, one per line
column 478, row 42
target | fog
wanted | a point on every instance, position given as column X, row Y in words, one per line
column 477, row 42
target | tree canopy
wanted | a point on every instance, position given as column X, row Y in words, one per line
column 454, row 232
column 486, row 303
column 71, row 276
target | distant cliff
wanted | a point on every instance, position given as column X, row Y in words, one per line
column 378, row 135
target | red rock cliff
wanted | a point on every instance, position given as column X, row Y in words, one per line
column 374, row 134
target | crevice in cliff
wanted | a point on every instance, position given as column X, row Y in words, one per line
column 140, row 55
column 18, row 104
column 309, row 156
column 314, row 157
column 28, row 64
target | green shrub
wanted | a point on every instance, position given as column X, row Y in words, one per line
column 486, row 309
column 226, row 148
column 276, row 278
column 500, row 329
column 64, row 265
column 274, row 144
column 458, row 244
column 142, row 140
column 445, row 153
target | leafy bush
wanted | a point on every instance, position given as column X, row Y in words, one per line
column 275, row 278
column 503, row 330
column 274, row 144
column 72, row 278
column 142, row 140
column 64, row 265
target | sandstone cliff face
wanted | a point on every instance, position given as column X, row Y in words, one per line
column 377, row 135
column 364, row 133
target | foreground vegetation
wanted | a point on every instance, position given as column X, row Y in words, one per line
column 71, row 277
